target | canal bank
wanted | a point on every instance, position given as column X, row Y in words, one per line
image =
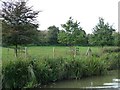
column 93, row 82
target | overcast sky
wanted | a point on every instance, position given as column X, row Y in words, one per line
column 87, row 12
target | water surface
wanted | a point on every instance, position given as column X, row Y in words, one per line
column 85, row 82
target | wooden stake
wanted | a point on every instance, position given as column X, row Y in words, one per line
column 53, row 52
column 74, row 52
column 25, row 52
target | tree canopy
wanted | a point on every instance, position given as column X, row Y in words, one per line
column 19, row 25
column 102, row 34
column 72, row 33
column 53, row 35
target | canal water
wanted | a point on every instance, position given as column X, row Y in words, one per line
column 94, row 81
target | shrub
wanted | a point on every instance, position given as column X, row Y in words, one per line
column 57, row 67
column 15, row 74
column 112, row 60
column 94, row 66
column 42, row 71
column 73, row 69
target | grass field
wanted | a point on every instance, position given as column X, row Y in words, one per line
column 47, row 51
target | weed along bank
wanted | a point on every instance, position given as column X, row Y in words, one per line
column 37, row 71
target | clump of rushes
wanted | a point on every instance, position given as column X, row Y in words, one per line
column 15, row 73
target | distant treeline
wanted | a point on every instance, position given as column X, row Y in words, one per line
column 72, row 34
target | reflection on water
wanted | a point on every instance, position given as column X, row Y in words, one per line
column 85, row 82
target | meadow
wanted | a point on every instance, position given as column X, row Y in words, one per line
column 47, row 51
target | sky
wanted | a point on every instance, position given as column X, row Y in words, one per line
column 87, row 12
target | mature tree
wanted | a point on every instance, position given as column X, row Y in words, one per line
column 19, row 26
column 102, row 33
column 53, row 35
column 72, row 33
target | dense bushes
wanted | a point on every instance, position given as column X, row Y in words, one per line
column 31, row 72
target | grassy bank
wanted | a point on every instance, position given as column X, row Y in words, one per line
column 35, row 70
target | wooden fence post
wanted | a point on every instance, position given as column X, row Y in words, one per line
column 25, row 52
column 53, row 52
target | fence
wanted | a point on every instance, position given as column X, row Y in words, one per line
column 49, row 52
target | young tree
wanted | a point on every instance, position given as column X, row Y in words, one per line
column 72, row 33
column 19, row 27
column 103, row 33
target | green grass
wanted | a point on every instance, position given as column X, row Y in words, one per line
column 47, row 51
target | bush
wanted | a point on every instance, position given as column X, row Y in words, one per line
column 42, row 71
column 112, row 60
column 15, row 74
column 94, row 66
column 73, row 69
column 48, row 70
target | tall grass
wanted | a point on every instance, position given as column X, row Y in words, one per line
column 18, row 74
column 15, row 74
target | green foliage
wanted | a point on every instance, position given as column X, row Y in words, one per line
column 102, row 34
column 19, row 27
column 15, row 74
column 42, row 71
column 74, row 69
column 42, row 38
column 52, row 35
column 72, row 33
column 112, row 60
column 116, row 36
column 94, row 66
column 63, row 38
